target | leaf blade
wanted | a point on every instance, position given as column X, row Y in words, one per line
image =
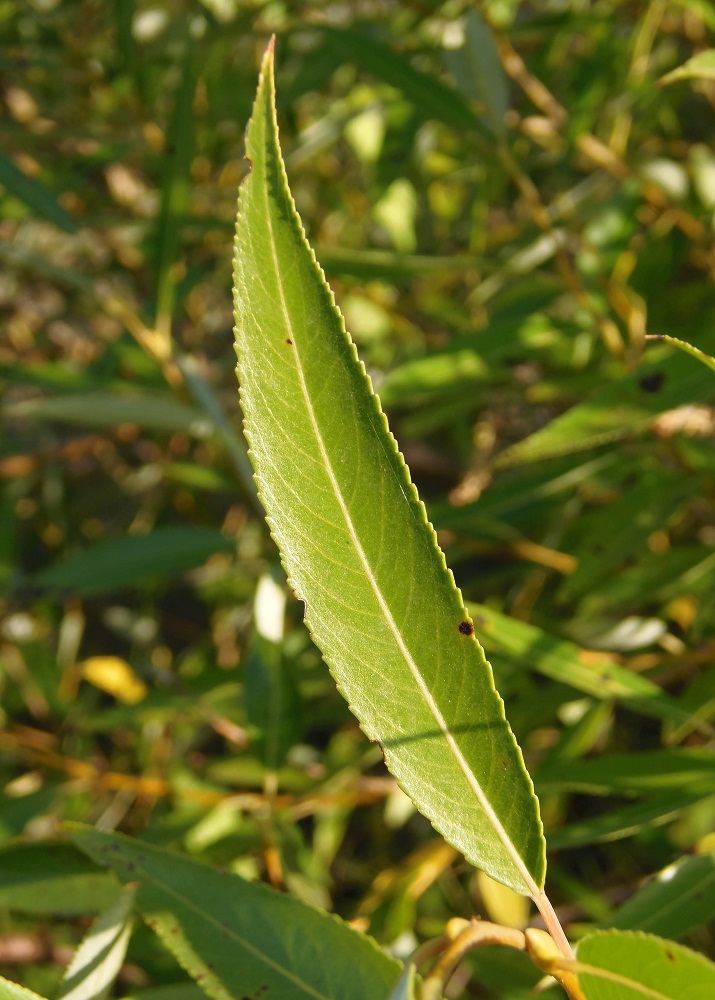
column 355, row 541
column 236, row 937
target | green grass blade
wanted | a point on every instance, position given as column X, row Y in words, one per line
column 358, row 550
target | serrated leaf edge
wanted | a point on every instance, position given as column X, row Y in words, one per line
column 266, row 84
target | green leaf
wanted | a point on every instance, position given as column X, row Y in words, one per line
column 176, row 187
column 13, row 991
column 236, row 938
column 593, row 674
column 627, row 821
column 623, row 965
column 124, row 562
column 678, row 899
column 700, row 67
column 100, row 956
column 618, row 410
column 478, row 71
column 430, row 97
column 53, row 878
column 152, row 411
column 35, row 195
column 175, row 991
column 405, row 989
column 355, row 541
column 634, row 773
column 683, row 345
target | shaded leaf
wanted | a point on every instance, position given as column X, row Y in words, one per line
column 626, row 821
column 675, row 901
column 634, row 773
column 152, row 411
column 478, row 71
column 53, row 878
column 236, row 937
column 124, row 562
column 430, row 97
column 595, row 674
column 700, row 67
column 34, row 194
column 621, row 409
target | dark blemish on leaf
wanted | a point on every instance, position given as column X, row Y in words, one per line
column 669, row 955
column 652, row 382
column 382, row 751
column 466, row 628
column 289, row 341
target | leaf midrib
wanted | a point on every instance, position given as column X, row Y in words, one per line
column 429, row 701
column 224, row 927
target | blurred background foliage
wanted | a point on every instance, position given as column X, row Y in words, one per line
column 506, row 203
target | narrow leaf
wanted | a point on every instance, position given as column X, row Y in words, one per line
column 124, row 562
column 626, row 821
column 646, row 771
column 595, row 674
column 238, row 938
column 35, row 195
column 152, row 411
column 678, row 899
column 619, row 410
column 700, row 67
column 478, row 71
column 683, row 345
column 405, row 989
column 355, row 541
column 622, row 965
column 100, row 956
column 431, row 97
column 13, row 991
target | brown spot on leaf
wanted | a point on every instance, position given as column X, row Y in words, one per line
column 466, row 628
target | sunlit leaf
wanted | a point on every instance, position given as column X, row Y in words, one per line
column 355, row 542
column 620, row 965
column 683, row 345
column 700, row 67
column 96, row 963
column 13, row 991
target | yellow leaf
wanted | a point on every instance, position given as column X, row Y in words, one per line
column 115, row 676
column 503, row 905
